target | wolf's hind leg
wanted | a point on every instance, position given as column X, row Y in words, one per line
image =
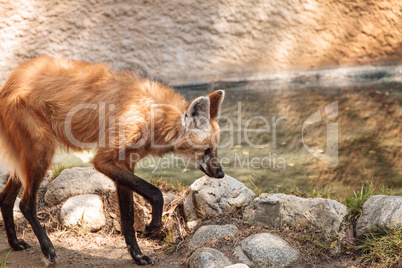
column 7, row 200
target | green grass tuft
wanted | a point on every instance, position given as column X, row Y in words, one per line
column 381, row 248
column 355, row 201
column 56, row 170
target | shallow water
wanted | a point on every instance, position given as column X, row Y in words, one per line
column 262, row 145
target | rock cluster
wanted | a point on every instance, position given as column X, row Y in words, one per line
column 77, row 191
column 259, row 250
column 212, row 197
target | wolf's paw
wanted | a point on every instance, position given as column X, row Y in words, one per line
column 143, row 259
column 19, row 244
column 149, row 231
column 50, row 254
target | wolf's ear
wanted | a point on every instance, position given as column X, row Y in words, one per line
column 197, row 114
column 216, row 99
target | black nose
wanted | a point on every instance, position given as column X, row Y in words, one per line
column 220, row 175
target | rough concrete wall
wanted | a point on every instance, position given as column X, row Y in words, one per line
column 190, row 40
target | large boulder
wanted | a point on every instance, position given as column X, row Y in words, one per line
column 380, row 211
column 211, row 197
column 206, row 233
column 208, row 258
column 85, row 211
column 278, row 209
column 76, row 181
column 266, row 250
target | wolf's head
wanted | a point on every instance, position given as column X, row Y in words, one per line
column 200, row 139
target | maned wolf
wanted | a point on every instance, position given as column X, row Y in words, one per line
column 49, row 103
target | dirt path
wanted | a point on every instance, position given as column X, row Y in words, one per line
column 90, row 250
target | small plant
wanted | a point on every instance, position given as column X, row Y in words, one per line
column 169, row 237
column 289, row 190
column 3, row 263
column 382, row 248
column 322, row 194
column 319, row 243
column 167, row 184
column 56, row 170
column 355, row 202
column 238, row 208
column 257, row 190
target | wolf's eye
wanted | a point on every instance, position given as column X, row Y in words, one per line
column 208, row 151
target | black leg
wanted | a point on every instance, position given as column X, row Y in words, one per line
column 7, row 200
column 28, row 208
column 151, row 193
column 127, row 223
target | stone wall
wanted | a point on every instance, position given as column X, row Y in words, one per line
column 191, row 40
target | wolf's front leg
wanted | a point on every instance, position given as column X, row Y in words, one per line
column 128, row 182
column 127, row 223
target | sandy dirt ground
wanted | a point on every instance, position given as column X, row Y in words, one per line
column 89, row 250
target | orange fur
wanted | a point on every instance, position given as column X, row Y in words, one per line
column 48, row 103
column 40, row 93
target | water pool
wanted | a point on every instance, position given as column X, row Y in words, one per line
column 261, row 134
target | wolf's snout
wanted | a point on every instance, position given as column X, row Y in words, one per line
column 213, row 169
column 220, row 175
column 216, row 169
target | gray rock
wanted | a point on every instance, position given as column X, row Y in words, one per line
column 3, row 176
column 279, row 209
column 189, row 210
column 238, row 265
column 212, row 196
column 206, row 233
column 85, row 211
column 242, row 257
column 17, row 212
column 76, row 181
column 169, row 198
column 380, row 211
column 44, row 183
column 266, row 250
column 208, row 258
